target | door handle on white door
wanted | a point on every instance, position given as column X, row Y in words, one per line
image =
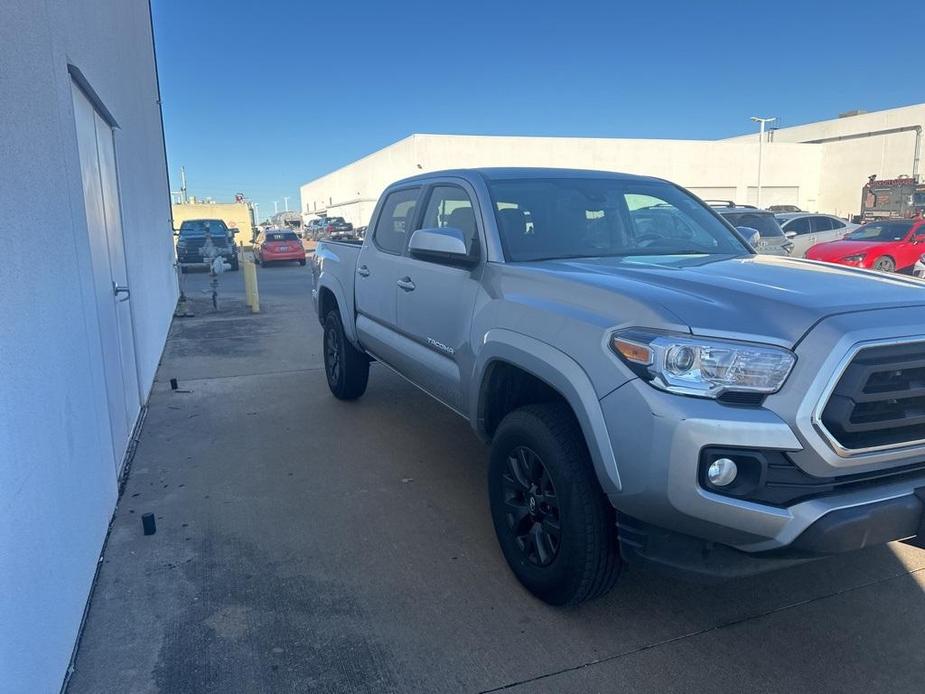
column 116, row 290
column 406, row 283
column 363, row 271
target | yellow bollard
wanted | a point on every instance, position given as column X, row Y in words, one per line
column 251, row 293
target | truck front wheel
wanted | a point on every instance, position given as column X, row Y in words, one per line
column 556, row 529
column 346, row 367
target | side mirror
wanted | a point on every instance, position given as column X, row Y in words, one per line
column 446, row 245
column 790, row 234
column 753, row 236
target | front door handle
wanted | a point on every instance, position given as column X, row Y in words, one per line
column 406, row 283
column 363, row 271
column 116, row 290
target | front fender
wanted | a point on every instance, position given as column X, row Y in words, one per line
column 559, row 371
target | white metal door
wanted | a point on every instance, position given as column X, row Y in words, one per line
column 110, row 280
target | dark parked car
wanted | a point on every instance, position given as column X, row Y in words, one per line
column 192, row 237
column 331, row 228
column 772, row 240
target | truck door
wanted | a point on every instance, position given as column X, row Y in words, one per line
column 435, row 302
column 379, row 267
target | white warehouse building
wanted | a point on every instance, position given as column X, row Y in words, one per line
column 818, row 166
column 89, row 291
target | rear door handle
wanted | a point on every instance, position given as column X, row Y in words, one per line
column 406, row 283
column 363, row 271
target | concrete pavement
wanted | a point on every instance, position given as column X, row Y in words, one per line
column 305, row 544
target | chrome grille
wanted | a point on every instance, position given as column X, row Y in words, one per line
column 880, row 398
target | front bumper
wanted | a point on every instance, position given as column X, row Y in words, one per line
column 843, row 530
column 658, row 438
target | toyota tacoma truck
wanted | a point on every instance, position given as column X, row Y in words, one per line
column 651, row 388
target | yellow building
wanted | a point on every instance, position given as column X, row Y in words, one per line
column 236, row 215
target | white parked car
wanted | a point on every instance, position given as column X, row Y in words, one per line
column 805, row 229
column 919, row 268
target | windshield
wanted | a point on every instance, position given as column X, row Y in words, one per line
column 547, row 218
column 215, row 227
column 881, row 231
column 765, row 223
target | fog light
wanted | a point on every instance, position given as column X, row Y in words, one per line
column 722, row 472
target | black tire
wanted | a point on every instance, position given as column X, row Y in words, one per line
column 346, row 367
column 302, row 263
column 884, row 264
column 182, row 269
column 585, row 561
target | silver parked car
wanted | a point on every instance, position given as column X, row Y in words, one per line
column 805, row 229
column 771, row 239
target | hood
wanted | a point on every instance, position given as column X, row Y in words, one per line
column 836, row 250
column 760, row 297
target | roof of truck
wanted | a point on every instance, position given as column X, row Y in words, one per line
column 518, row 172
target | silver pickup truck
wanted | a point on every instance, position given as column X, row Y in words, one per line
column 652, row 389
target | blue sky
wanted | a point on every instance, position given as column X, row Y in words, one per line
column 260, row 97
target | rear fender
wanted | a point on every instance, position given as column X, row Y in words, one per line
column 326, row 280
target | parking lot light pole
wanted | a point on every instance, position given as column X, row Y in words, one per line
column 761, row 122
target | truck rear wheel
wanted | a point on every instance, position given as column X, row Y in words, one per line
column 346, row 367
column 556, row 529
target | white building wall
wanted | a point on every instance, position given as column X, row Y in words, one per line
column 846, row 164
column 59, row 483
column 710, row 169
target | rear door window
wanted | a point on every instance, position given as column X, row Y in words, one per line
column 396, row 219
column 822, row 224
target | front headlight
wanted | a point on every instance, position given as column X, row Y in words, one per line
column 703, row 367
column 853, row 258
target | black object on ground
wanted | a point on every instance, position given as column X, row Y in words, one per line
column 173, row 384
column 148, row 523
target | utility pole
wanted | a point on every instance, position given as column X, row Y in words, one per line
column 761, row 123
column 183, row 197
column 256, row 213
column 276, row 207
column 286, row 199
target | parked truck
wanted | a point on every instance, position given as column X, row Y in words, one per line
column 902, row 198
column 652, row 389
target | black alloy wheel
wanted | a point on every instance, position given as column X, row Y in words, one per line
column 532, row 507
column 346, row 367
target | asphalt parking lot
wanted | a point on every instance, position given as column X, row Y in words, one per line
column 306, row 544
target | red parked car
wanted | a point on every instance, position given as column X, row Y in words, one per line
column 887, row 245
column 272, row 246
